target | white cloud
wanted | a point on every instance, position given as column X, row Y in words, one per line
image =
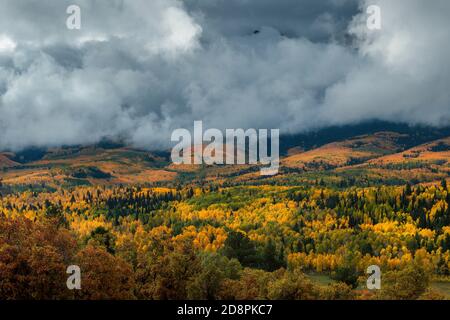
column 139, row 69
column 405, row 71
column 7, row 44
column 182, row 32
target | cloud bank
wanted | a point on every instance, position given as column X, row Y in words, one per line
column 139, row 69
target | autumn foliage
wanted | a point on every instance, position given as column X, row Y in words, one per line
column 213, row 242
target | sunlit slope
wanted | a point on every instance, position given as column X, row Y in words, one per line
column 424, row 163
column 380, row 157
column 6, row 162
column 89, row 165
column 348, row 152
column 433, row 152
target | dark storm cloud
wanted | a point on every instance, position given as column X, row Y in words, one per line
column 316, row 20
column 139, row 69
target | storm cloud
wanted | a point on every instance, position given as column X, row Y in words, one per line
column 136, row 70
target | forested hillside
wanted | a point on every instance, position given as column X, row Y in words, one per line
column 215, row 242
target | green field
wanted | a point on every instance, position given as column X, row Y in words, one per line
column 321, row 279
column 442, row 287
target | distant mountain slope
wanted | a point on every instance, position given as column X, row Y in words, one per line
column 392, row 157
column 6, row 162
column 89, row 165
column 436, row 151
column 348, row 152
column 415, row 135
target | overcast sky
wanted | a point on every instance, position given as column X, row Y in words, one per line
column 139, row 69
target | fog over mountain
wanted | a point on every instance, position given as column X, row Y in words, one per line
column 138, row 69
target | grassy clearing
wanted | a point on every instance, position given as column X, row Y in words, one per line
column 320, row 279
column 442, row 287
